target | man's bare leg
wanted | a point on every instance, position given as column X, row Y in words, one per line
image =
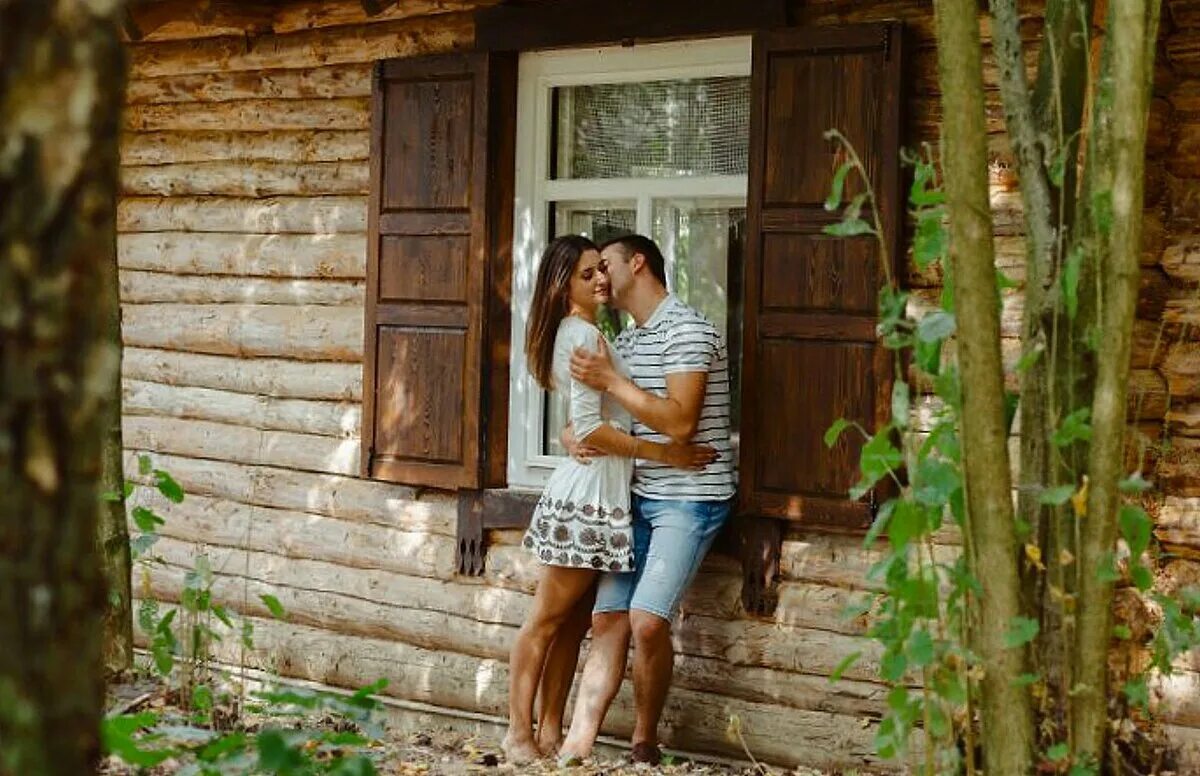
column 559, row 673
column 602, row 675
column 558, row 591
column 653, row 663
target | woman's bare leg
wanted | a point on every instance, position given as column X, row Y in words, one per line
column 602, row 675
column 558, row 591
column 559, row 673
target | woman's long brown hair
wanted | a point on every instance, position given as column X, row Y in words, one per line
column 551, row 300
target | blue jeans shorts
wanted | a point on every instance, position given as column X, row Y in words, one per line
column 670, row 538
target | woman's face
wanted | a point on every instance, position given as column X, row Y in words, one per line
column 589, row 283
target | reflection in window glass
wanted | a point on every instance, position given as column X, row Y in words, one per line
column 702, row 242
column 652, row 129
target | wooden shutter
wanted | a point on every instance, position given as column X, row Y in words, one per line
column 809, row 349
column 441, row 153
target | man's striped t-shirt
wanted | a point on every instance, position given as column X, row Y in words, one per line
column 676, row 339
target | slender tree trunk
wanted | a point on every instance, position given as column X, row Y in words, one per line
column 113, row 528
column 1005, row 708
column 1131, row 33
column 61, row 80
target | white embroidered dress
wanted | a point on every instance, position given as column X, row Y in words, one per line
column 582, row 519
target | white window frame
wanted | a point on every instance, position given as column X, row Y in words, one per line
column 538, row 74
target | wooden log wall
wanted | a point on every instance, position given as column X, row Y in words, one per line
column 242, row 249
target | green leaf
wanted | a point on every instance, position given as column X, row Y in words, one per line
column 1004, row 282
column 145, row 465
column 139, row 545
column 1102, row 211
column 929, row 356
column 909, row 522
column 1070, row 280
column 1135, row 483
column 920, row 648
column 877, row 458
column 1074, row 428
column 275, row 754
column 226, row 744
column 1142, row 577
column 929, row 239
column 893, row 665
column 1024, row 680
column 834, row 432
column 900, row 404
column 1122, row 632
column 222, row 614
column 1056, row 496
column 1136, row 529
column 167, row 486
column 851, row 228
column 1057, row 169
column 1021, row 631
column 835, row 188
column 937, row 325
column 935, row 481
column 854, row 208
column 145, row 519
column 202, row 697
column 879, row 523
column 1029, row 358
column 117, row 736
column 1137, row 691
column 1058, row 752
column 844, row 665
column 273, row 605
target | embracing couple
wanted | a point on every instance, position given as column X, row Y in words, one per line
column 625, row 521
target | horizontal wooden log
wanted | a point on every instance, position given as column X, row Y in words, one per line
column 353, row 80
column 292, row 146
column 139, row 287
column 167, row 19
column 1149, row 344
column 1179, row 468
column 475, row 619
column 296, row 17
column 344, row 498
column 246, row 179
column 258, row 255
column 1181, row 259
column 917, row 17
column 1182, row 369
column 279, row 215
column 206, row 521
column 338, row 45
column 304, row 416
column 241, row 444
column 1183, row 52
column 1185, row 742
column 1178, row 521
column 1185, row 419
column 251, row 115
column 301, row 332
column 266, row 376
column 1184, row 157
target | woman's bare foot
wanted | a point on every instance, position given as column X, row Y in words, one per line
column 549, row 740
column 576, row 750
column 519, row 751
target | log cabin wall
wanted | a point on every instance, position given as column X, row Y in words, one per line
column 242, row 248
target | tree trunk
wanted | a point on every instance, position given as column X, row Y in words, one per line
column 1005, row 708
column 113, row 526
column 1131, row 33
column 61, row 80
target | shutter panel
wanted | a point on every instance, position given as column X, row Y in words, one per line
column 809, row 349
column 432, row 226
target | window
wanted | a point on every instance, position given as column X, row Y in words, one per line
column 652, row 139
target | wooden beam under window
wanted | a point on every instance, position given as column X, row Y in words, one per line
column 588, row 22
column 376, row 7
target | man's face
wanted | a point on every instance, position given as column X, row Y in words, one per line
column 620, row 274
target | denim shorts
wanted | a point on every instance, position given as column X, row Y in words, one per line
column 670, row 538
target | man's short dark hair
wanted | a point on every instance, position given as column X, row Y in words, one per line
column 636, row 243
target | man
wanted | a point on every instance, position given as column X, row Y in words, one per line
column 678, row 390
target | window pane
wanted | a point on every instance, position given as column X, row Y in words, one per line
column 703, row 242
column 598, row 221
column 652, row 129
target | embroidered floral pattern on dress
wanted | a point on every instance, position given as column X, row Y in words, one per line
column 581, row 535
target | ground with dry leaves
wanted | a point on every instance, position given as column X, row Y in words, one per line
column 433, row 752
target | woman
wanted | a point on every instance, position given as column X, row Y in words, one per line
column 581, row 524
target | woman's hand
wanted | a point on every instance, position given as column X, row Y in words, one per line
column 690, row 457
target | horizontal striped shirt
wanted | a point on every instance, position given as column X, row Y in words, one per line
column 677, row 339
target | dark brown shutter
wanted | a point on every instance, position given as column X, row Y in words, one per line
column 810, row 354
column 439, row 149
